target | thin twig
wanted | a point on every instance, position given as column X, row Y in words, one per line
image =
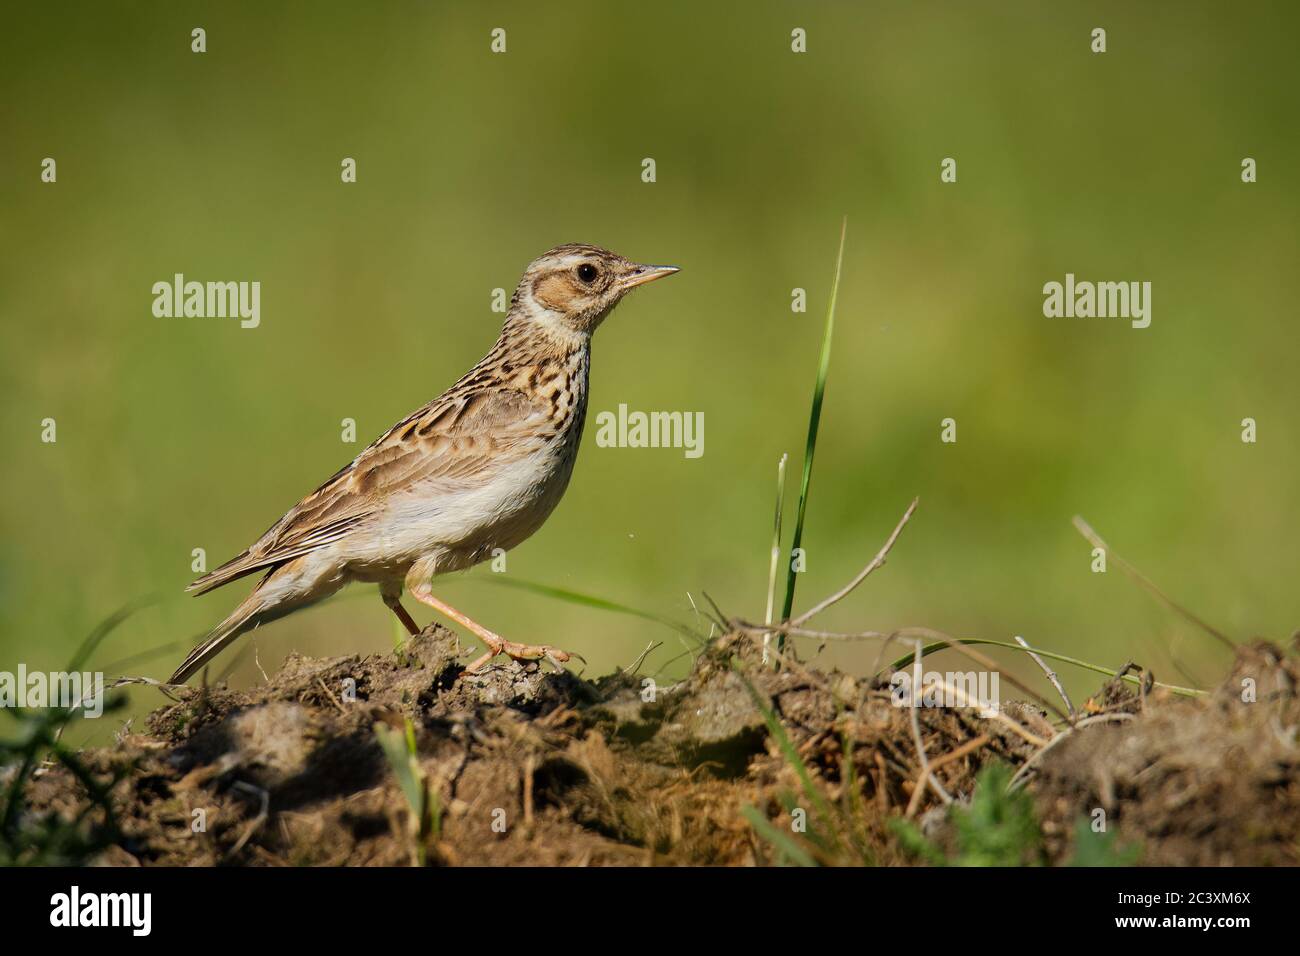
column 1018, row 781
column 329, row 695
column 918, row 794
column 876, row 562
column 166, row 689
column 913, row 706
column 264, row 798
column 1029, row 736
column 529, row 768
column 832, row 635
column 980, row 658
column 721, row 618
column 926, row 632
column 1051, row 674
column 919, row 788
column 1173, row 688
column 975, row 743
column 636, row 664
column 713, row 626
column 1095, row 540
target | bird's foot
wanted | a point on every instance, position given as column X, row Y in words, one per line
column 495, row 643
column 520, row 652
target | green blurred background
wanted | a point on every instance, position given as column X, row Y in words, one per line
column 181, row 433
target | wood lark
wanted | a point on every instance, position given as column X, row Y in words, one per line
column 480, row 467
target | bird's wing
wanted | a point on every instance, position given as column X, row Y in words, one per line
column 456, row 442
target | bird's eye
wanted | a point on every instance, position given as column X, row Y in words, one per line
column 587, row 272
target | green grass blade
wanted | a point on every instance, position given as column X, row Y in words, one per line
column 906, row 661
column 775, row 562
column 814, row 421
column 782, row 842
column 589, row 600
column 791, row 754
column 396, row 750
column 106, row 627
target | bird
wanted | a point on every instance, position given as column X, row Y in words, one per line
column 479, row 468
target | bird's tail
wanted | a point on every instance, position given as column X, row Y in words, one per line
column 233, row 569
column 243, row 618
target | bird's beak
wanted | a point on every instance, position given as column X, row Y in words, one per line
column 640, row 275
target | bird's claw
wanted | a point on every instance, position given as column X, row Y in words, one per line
column 522, row 652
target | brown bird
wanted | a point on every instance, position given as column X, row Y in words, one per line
column 480, row 467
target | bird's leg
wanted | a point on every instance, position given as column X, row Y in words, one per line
column 394, row 602
column 496, row 644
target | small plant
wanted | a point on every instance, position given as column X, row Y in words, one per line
column 1100, row 849
column 834, row 835
column 998, row 828
column 53, row 840
column 425, row 820
column 814, row 422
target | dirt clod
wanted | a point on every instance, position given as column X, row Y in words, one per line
column 529, row 766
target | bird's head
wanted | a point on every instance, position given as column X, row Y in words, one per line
column 573, row 287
